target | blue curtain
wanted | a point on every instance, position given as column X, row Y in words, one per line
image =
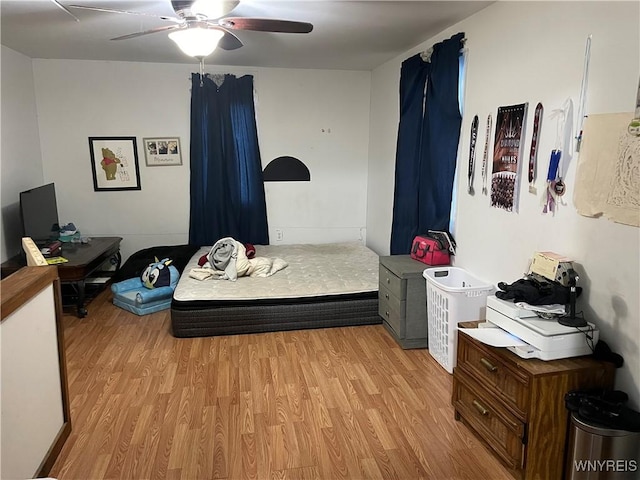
column 227, row 189
column 426, row 151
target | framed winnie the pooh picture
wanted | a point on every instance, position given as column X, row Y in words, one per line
column 114, row 163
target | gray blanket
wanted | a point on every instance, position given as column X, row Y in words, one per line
column 223, row 255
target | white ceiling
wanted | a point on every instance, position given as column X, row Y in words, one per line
column 347, row 35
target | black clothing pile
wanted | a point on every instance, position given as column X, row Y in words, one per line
column 603, row 408
column 603, row 352
column 534, row 290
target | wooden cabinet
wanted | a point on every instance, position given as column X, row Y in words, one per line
column 516, row 406
column 402, row 299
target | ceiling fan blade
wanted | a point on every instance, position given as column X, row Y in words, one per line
column 62, row 7
column 211, row 9
column 113, row 10
column 265, row 25
column 147, row 32
column 229, row 42
column 180, row 5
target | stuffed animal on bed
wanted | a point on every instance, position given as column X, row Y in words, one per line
column 151, row 291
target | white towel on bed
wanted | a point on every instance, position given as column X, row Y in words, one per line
column 204, row 273
column 265, row 267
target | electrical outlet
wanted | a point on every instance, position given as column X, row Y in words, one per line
column 279, row 235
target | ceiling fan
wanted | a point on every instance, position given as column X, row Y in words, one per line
column 202, row 25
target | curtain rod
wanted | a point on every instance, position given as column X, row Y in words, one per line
column 426, row 54
column 463, row 41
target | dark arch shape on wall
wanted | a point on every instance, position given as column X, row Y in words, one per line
column 286, row 169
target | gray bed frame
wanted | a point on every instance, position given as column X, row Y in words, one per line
column 203, row 319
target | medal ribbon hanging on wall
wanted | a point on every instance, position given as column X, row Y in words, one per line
column 485, row 156
column 472, row 153
column 560, row 157
column 533, row 153
column 506, row 155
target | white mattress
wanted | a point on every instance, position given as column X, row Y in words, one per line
column 313, row 270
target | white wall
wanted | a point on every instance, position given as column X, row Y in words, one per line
column 323, row 121
column 79, row 99
column 531, row 52
column 20, row 156
column 385, row 115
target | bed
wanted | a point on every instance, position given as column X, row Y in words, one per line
column 329, row 285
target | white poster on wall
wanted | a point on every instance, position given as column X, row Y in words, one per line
column 608, row 170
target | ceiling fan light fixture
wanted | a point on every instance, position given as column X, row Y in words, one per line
column 197, row 42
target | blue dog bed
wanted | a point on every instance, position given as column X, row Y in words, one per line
column 127, row 301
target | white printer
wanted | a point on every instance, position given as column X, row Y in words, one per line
column 545, row 339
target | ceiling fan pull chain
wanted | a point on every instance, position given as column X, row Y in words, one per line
column 201, row 71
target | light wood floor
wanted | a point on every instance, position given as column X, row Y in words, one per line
column 313, row 404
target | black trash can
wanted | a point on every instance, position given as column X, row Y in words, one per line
column 601, row 453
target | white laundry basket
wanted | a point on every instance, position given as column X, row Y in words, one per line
column 453, row 296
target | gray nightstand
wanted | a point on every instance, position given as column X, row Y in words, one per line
column 402, row 296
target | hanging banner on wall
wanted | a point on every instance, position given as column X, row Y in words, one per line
column 506, row 155
column 607, row 180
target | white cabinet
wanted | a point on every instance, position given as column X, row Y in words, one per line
column 35, row 419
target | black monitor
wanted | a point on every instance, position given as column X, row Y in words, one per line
column 39, row 213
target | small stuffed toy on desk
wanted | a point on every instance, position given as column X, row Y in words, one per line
column 149, row 293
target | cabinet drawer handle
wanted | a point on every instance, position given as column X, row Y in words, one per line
column 488, row 365
column 386, row 313
column 388, row 280
column 483, row 411
column 386, row 295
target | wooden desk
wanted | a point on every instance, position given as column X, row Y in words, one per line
column 84, row 261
